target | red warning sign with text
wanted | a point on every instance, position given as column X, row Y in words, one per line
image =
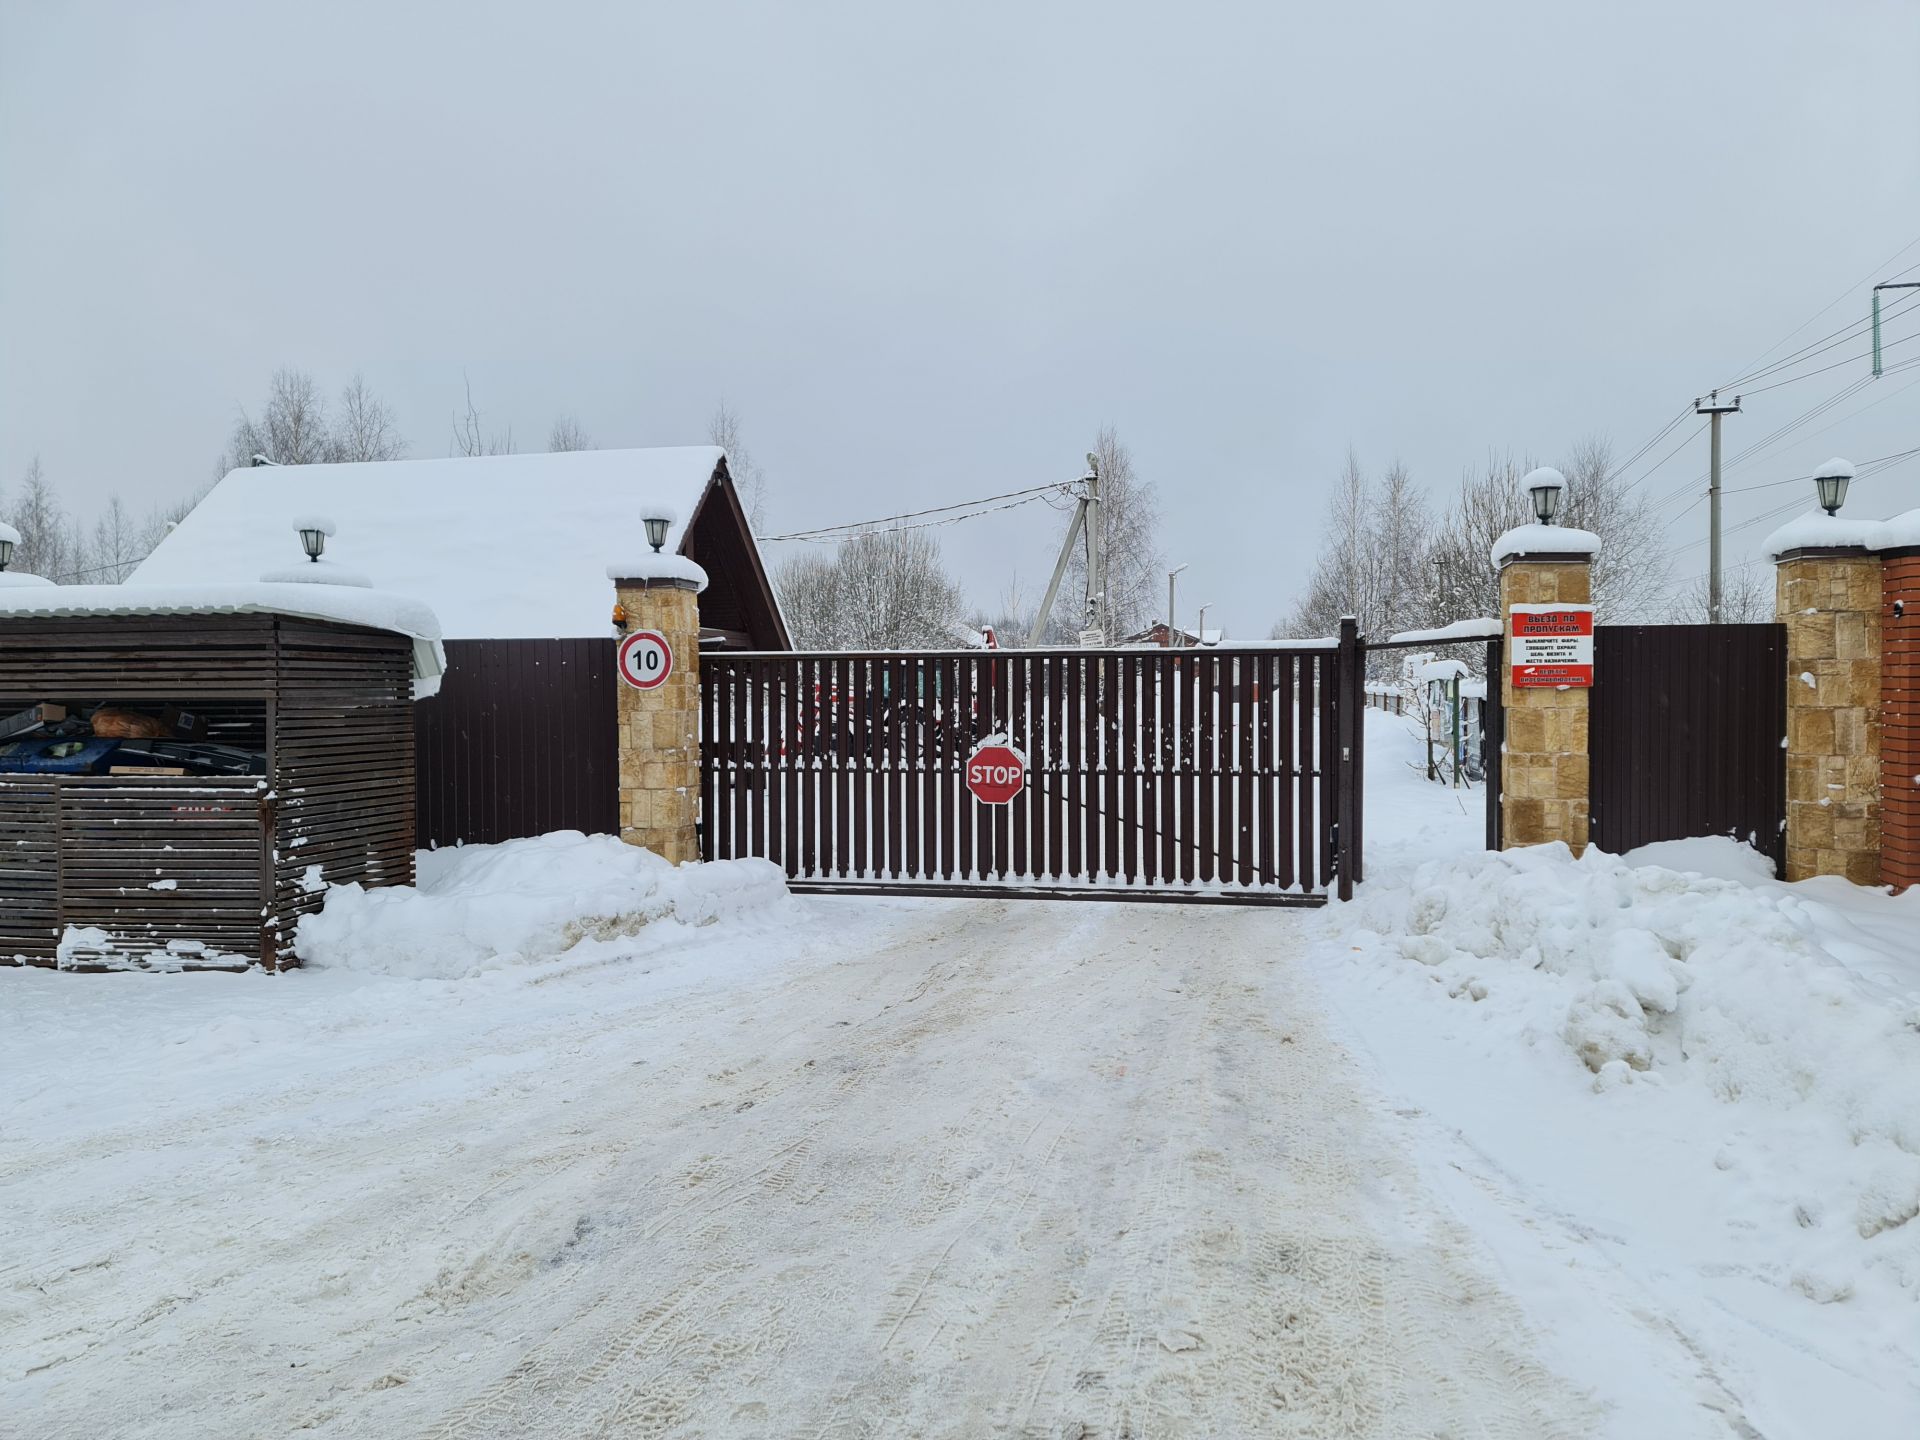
column 1551, row 647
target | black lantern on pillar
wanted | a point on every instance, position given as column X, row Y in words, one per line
column 1830, row 484
column 1544, row 486
column 658, row 522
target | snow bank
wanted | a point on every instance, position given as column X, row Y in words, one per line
column 1545, row 540
column 22, row 577
column 484, row 907
column 1686, row 972
column 1488, row 628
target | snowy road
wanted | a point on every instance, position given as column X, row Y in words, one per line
column 941, row 1169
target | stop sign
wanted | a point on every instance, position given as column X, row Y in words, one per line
column 996, row 773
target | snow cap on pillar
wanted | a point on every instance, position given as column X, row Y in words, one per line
column 1544, row 542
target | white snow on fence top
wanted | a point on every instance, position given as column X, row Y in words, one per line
column 1440, row 670
column 1489, row 629
column 1820, row 531
column 341, row 604
column 663, row 566
column 1545, row 540
column 500, row 546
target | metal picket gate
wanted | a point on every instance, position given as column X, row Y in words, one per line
column 1219, row 774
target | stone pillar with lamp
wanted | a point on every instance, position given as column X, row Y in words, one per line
column 1829, row 593
column 1546, row 604
column 656, row 615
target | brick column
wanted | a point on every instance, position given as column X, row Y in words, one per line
column 1830, row 601
column 1900, row 720
column 1544, row 781
column 659, row 733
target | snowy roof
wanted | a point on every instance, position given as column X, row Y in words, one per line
column 1545, row 540
column 1820, row 531
column 341, row 604
column 500, row 546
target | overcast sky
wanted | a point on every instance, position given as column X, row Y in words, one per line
column 926, row 252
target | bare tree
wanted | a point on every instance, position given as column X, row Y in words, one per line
column 116, row 545
column 568, row 434
column 365, row 429
column 1630, row 574
column 723, row 429
column 883, row 590
column 1746, row 598
column 295, row 429
column 1629, row 577
column 1129, row 517
column 47, row 542
column 471, row 438
column 1374, row 561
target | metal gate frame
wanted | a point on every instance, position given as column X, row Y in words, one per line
column 1211, row 775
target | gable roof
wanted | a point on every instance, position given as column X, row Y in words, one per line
column 500, row 546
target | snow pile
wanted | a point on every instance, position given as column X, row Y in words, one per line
column 1724, row 985
column 1820, row 531
column 1545, row 540
column 485, row 907
column 1486, row 628
column 659, row 566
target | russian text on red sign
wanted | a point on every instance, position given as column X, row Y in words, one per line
column 1552, row 647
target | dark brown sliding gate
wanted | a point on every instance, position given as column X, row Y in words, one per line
column 1688, row 730
column 1194, row 774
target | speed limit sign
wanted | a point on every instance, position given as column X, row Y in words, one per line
column 646, row 659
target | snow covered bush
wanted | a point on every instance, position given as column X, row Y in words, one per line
column 482, row 907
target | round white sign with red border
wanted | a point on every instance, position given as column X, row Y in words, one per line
column 645, row 659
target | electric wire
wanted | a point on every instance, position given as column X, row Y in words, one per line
column 985, row 505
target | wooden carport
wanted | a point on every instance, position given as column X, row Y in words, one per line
column 103, row 871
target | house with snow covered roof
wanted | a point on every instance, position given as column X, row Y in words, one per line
column 511, row 553
column 501, row 546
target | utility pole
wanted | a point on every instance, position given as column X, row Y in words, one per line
column 1082, row 518
column 1096, row 552
column 1172, row 575
column 1714, row 407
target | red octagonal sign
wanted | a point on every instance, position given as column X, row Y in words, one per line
column 996, row 773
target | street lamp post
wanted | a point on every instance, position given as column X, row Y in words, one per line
column 1172, row 575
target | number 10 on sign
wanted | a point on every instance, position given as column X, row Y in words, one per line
column 645, row 659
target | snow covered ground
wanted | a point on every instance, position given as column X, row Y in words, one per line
column 1696, row 1086
column 570, row 1143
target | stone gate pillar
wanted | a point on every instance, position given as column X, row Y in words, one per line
column 1830, row 597
column 1544, row 771
column 659, row 718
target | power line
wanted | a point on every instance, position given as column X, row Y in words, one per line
column 1850, row 290
column 1691, row 437
column 983, row 506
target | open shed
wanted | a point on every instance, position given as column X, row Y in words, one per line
column 187, row 768
column 510, row 551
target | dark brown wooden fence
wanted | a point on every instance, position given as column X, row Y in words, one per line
column 1688, row 724
column 520, row 740
column 1190, row 773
